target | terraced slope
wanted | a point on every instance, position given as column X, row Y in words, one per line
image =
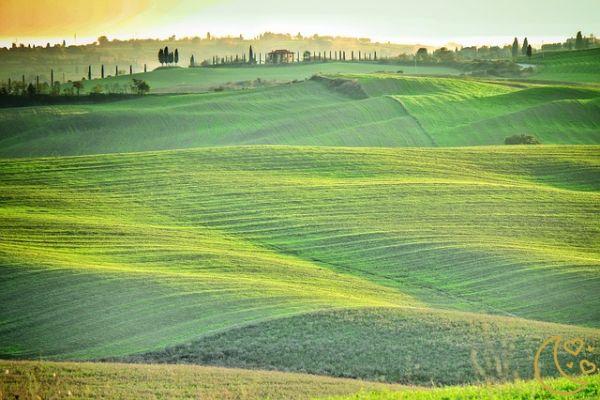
column 391, row 111
column 568, row 66
column 307, row 113
column 455, row 112
column 118, row 254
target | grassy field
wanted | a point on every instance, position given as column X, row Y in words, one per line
column 568, row 66
column 128, row 382
column 192, row 80
column 132, row 382
column 112, row 255
column 382, row 110
column 532, row 390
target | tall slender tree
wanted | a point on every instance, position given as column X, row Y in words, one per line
column 515, row 48
column 579, row 45
column 176, row 56
column 161, row 56
column 529, row 51
column 525, row 46
column 251, row 55
column 89, row 73
column 102, row 71
column 166, row 54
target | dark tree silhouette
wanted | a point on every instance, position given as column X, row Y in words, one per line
column 102, row 71
column 78, row 86
column 161, row 56
column 176, row 56
column 193, row 62
column 166, row 54
column 251, row 55
column 171, row 58
column 515, row 48
column 525, row 46
column 529, row 51
column 89, row 73
column 579, row 45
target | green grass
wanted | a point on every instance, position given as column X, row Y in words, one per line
column 567, row 66
column 455, row 112
column 118, row 254
column 531, row 390
column 191, row 80
column 129, row 382
column 48, row 380
column 398, row 111
column 402, row 345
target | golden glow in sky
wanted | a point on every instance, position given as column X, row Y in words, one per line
column 425, row 21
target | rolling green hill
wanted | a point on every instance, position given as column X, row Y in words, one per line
column 111, row 255
column 382, row 110
column 192, row 80
column 568, row 66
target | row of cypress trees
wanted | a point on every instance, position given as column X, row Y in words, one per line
column 165, row 57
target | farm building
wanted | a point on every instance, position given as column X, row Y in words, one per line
column 280, row 57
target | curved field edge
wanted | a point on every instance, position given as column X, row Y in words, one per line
column 399, row 345
column 30, row 379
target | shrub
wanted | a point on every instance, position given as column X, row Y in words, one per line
column 521, row 139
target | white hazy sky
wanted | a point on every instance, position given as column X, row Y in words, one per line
column 425, row 21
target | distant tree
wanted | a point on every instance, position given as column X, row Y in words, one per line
column 78, row 85
column 176, row 56
column 525, row 47
column 161, row 56
column 579, row 44
column 529, row 51
column 306, row 56
column 521, row 139
column 103, row 41
column 171, row 58
column 89, row 73
column 421, row 53
column 140, row 87
column 515, row 48
column 31, row 91
column 251, row 56
column 192, row 61
column 102, row 71
column 166, row 54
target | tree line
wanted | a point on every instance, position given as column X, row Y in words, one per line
column 165, row 57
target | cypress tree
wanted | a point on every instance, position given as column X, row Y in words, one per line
column 161, row 57
column 193, row 62
column 525, row 46
column 515, row 48
column 51, row 78
column 89, row 73
column 145, row 68
column 102, row 71
column 116, row 70
column 171, row 58
column 352, row 55
column 166, row 54
column 251, row 55
column 176, row 56
column 529, row 51
column 579, row 45
column 375, row 56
